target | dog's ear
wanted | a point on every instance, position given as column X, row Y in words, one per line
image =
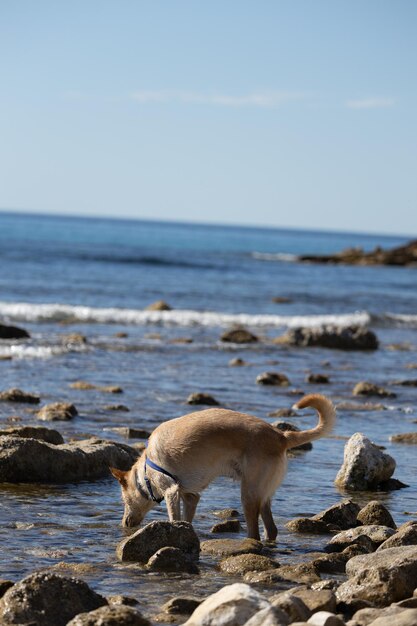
column 120, row 475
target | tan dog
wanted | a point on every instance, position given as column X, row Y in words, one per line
column 185, row 454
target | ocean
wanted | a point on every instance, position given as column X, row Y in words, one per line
column 63, row 275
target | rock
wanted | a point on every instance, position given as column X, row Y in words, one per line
column 293, row 606
column 156, row 535
column 303, row 573
column 57, row 411
column 392, row 484
column 405, row 536
column 405, row 617
column 308, row 525
column 159, row 305
column 110, row 616
column 237, row 362
column 231, row 547
column 405, row 255
column 334, row 563
column 408, row 382
column 339, row 338
column 4, row 586
column 272, row 378
column 271, row 616
column 243, row 563
column 360, row 406
column 404, row 438
column 342, row 514
column 181, row 605
column 324, row 618
column 283, row 413
column 120, row 599
column 324, row 600
column 367, row 615
column 202, row 398
column 34, row 432
column 44, row 599
column 111, row 389
column 131, row 433
column 377, row 535
column 226, row 513
column 382, row 577
column 317, row 379
column 169, row 559
column 287, row 426
column 228, row 526
column 121, row 334
column 281, row 300
column 25, row 460
column 370, row 389
column 117, row 407
column 232, row 605
column 364, row 465
column 13, row 332
column 74, row 339
column 86, row 386
column 17, row 395
column 238, row 335
column 376, row 513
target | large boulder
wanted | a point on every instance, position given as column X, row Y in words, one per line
column 382, row 577
column 13, row 332
column 110, row 616
column 25, row 460
column 44, row 598
column 365, row 466
column 233, row 605
column 146, row 541
column 340, row 338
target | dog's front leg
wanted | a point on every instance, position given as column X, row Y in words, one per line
column 172, row 498
column 190, row 501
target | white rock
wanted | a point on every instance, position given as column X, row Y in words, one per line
column 271, row 616
column 364, row 465
column 377, row 534
column 232, row 605
column 324, row 618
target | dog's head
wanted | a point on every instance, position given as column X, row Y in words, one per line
column 136, row 503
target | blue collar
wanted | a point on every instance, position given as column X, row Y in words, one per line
column 156, row 467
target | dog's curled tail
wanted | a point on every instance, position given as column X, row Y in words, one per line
column 327, row 418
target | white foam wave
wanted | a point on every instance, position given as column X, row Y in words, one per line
column 30, row 352
column 27, row 312
column 402, row 319
column 275, row 256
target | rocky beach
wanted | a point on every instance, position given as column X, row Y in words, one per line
column 97, row 348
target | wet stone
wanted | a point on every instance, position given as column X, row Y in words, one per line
column 238, row 335
column 226, row 513
column 243, row 563
column 34, row 432
column 4, row 586
column 227, row 526
column 115, row 615
column 317, row 379
column 182, row 605
column 202, row 398
column 57, row 411
column 17, row 395
column 376, row 513
column 169, row 559
column 273, row 378
column 231, row 547
column 146, row 541
column 365, row 388
column 159, row 305
column 308, row 525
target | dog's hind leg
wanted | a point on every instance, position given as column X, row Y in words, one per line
column 190, row 501
column 251, row 508
column 271, row 530
column 173, row 501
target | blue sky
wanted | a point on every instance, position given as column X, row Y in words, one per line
column 290, row 113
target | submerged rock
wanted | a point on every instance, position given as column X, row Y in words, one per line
column 43, row 599
column 273, row 378
column 170, row 559
column 25, row 460
column 57, row 411
column 232, row 605
column 17, row 395
column 238, row 335
column 242, row 563
column 231, row 547
column 335, row 337
column 202, row 398
column 317, row 379
column 13, row 332
column 370, row 389
column 146, row 541
column 365, row 466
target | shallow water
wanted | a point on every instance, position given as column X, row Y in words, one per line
column 75, row 528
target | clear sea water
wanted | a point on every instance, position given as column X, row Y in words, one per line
column 95, row 277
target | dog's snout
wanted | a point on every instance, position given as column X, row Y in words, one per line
column 128, row 521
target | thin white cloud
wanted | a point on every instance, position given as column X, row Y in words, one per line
column 371, row 103
column 256, row 99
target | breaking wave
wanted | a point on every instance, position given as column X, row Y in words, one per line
column 41, row 313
